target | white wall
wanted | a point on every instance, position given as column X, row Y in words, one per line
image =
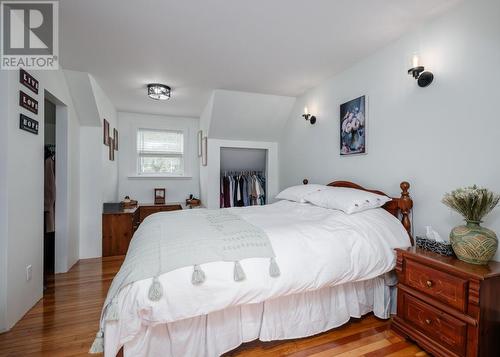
column 248, row 116
column 109, row 171
column 438, row 138
column 21, row 186
column 4, row 147
column 214, row 146
column 237, row 159
column 82, row 91
column 99, row 175
column 22, row 173
column 205, row 119
column 91, row 188
column 141, row 188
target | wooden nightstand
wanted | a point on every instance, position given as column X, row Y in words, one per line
column 449, row 307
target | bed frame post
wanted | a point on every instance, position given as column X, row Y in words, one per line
column 405, row 205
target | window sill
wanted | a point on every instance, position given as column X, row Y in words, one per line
column 156, row 177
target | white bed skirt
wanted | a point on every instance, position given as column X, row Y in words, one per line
column 287, row 317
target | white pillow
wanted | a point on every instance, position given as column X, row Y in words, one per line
column 297, row 193
column 348, row 200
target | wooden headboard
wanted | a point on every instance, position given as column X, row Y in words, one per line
column 400, row 207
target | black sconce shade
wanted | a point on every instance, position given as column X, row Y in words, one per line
column 310, row 118
column 424, row 78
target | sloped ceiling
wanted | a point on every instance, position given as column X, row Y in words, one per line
column 82, row 92
column 248, row 116
column 279, row 47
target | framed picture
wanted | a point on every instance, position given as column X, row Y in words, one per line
column 160, row 196
column 353, row 115
column 200, row 138
column 115, row 139
column 204, row 151
column 111, row 149
column 105, row 126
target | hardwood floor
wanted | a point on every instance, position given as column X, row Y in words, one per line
column 64, row 323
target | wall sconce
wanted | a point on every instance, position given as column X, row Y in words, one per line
column 423, row 77
column 309, row 117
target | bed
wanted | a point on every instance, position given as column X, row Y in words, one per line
column 333, row 266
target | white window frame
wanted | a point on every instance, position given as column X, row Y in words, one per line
column 184, row 154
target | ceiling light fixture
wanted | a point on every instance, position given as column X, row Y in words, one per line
column 158, row 91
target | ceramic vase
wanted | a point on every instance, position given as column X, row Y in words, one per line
column 474, row 244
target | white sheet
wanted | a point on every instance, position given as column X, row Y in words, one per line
column 314, row 247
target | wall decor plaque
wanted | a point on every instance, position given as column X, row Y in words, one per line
column 105, row 126
column 28, row 103
column 28, row 124
column 28, row 80
column 115, row 139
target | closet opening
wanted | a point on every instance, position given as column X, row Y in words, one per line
column 56, row 171
column 49, row 204
column 243, row 177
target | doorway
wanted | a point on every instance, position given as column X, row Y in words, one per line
column 49, row 204
column 56, row 188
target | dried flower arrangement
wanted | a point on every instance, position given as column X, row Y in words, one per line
column 472, row 202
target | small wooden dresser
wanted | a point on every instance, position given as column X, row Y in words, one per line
column 449, row 307
column 119, row 224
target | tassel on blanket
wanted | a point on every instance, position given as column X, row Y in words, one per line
column 155, row 290
column 98, row 344
column 112, row 313
column 198, row 276
column 239, row 274
column 274, row 269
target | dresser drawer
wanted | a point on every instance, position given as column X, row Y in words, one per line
column 149, row 210
column 448, row 331
column 444, row 287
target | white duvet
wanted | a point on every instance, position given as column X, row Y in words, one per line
column 314, row 247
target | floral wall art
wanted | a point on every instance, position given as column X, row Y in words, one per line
column 353, row 127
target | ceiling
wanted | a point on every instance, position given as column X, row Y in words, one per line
column 280, row 47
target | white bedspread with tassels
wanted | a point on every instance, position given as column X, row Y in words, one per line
column 171, row 240
column 315, row 248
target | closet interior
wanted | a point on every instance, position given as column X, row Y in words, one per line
column 49, row 206
column 243, row 179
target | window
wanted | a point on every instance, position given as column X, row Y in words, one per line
column 160, row 152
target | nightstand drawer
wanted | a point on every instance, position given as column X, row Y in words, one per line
column 441, row 327
column 445, row 287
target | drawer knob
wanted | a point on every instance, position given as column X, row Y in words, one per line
column 428, row 321
column 429, row 283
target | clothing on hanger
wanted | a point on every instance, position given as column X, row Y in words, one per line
column 242, row 188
